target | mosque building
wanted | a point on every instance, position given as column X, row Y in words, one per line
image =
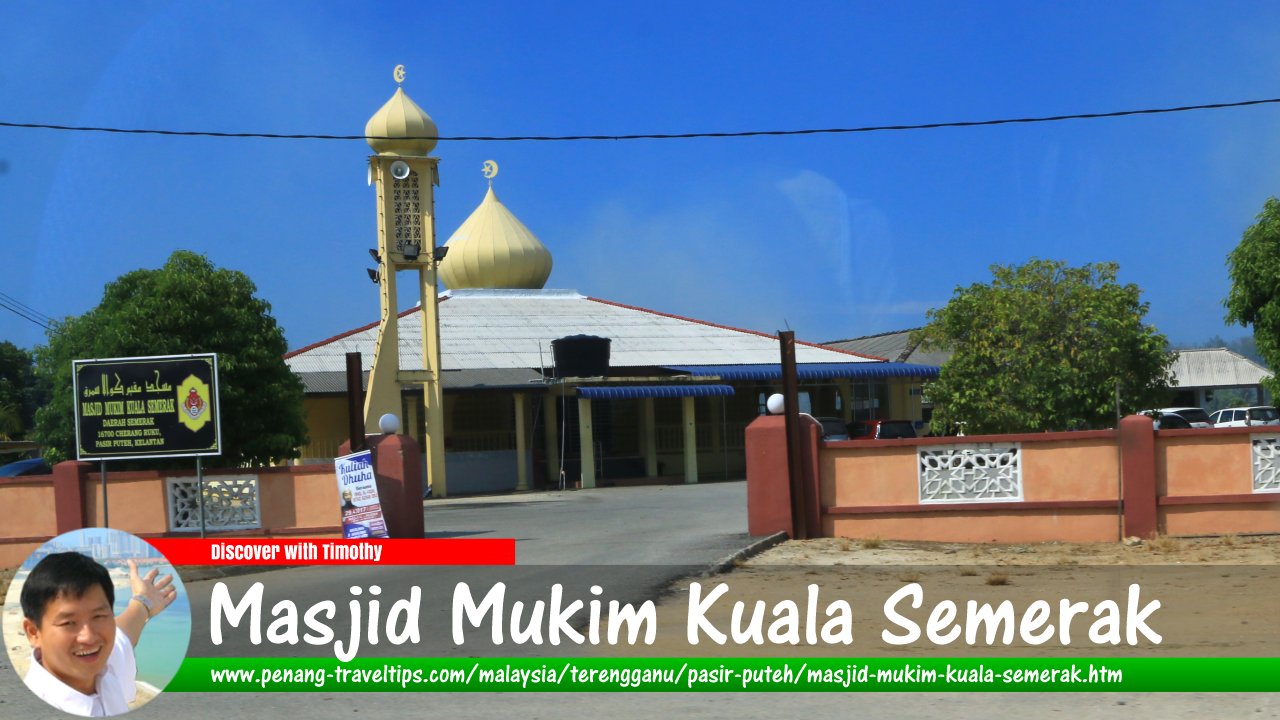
column 546, row 388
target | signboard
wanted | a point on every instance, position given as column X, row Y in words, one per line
column 358, row 492
column 147, row 407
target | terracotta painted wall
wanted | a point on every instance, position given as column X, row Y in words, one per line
column 23, row 503
column 1221, row 519
column 315, row 497
column 1071, row 489
column 982, row 526
column 881, row 473
column 1205, row 481
column 135, row 502
column 1070, row 492
column 1216, row 462
column 1071, row 469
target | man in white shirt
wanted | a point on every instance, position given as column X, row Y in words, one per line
column 80, row 663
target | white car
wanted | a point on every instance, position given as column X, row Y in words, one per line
column 1194, row 416
column 1246, row 416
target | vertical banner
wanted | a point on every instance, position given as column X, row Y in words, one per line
column 358, row 493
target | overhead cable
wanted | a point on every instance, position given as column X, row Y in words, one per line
column 647, row 136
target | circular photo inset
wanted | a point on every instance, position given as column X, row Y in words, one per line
column 96, row 622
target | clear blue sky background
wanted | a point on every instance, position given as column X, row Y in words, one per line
column 837, row 236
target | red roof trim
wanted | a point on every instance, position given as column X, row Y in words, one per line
column 348, row 333
column 730, row 327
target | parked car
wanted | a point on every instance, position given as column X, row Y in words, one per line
column 833, row 429
column 32, row 466
column 1246, row 416
column 1195, row 417
column 881, row 429
column 1171, row 421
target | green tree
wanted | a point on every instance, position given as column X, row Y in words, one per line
column 187, row 306
column 19, row 395
column 1254, row 299
column 1042, row 347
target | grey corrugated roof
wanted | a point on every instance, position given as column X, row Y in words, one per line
column 1215, row 367
column 894, row 346
column 484, row 329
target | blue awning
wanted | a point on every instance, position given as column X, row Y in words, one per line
column 614, row 392
column 812, row 371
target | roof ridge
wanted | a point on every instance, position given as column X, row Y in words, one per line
column 1238, row 355
column 876, row 335
column 349, row 333
column 729, row 327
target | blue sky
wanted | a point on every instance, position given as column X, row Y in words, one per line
column 835, row 236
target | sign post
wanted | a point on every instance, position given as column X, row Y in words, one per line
column 147, row 407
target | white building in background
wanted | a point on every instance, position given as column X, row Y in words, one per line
column 1213, row 378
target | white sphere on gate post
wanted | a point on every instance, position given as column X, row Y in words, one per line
column 775, row 404
column 389, row 424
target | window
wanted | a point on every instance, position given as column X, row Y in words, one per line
column 1264, row 414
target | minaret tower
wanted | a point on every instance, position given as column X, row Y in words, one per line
column 402, row 134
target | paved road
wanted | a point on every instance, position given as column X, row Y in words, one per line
column 633, row 541
column 651, row 525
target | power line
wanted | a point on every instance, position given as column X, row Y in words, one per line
column 15, row 301
column 650, row 136
column 22, row 314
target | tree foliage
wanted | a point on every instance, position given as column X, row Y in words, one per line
column 1042, row 347
column 1254, row 299
column 17, row 391
column 187, row 306
column 20, row 395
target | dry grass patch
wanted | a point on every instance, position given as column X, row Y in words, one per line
column 1164, row 544
column 909, row 577
column 872, row 543
column 997, row 578
column 846, row 545
column 968, row 572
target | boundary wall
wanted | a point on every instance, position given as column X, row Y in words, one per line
column 1092, row 486
column 297, row 500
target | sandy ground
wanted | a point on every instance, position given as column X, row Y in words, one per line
column 1214, row 593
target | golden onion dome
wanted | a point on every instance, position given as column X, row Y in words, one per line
column 402, row 125
column 493, row 249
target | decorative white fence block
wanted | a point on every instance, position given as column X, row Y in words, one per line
column 970, row 473
column 230, row 503
column 1266, row 463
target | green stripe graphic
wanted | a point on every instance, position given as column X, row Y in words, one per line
column 727, row 675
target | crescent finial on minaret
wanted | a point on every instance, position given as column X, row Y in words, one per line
column 398, row 74
column 490, row 170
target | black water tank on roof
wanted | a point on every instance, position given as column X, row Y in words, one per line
column 581, row 356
